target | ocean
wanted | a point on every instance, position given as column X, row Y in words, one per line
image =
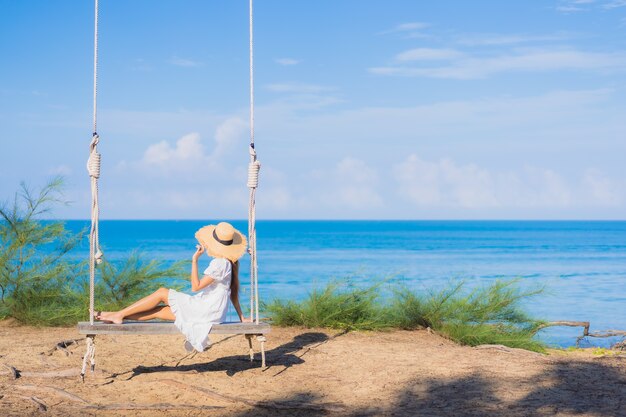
column 582, row 264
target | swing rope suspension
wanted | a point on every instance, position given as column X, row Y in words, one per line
column 93, row 167
column 253, row 181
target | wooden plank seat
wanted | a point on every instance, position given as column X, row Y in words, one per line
column 166, row 327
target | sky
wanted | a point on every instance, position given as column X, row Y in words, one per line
column 397, row 109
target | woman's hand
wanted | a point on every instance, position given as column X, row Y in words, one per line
column 199, row 251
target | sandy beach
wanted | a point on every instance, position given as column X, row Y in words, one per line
column 310, row 372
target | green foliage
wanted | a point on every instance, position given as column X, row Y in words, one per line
column 334, row 307
column 40, row 286
column 487, row 315
column 31, row 281
column 125, row 282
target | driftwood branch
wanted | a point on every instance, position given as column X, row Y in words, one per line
column 287, row 405
column 507, row 349
column 585, row 325
column 62, row 346
column 64, row 373
column 158, row 406
column 12, row 370
column 608, row 333
column 51, row 390
column 41, row 405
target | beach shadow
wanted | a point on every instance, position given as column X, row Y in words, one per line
column 299, row 404
column 579, row 387
column 283, row 355
column 565, row 388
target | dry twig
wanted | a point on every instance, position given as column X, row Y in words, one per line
column 158, row 406
column 52, row 390
column 64, row 373
column 62, row 346
column 12, row 371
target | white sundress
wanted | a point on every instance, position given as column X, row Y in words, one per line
column 196, row 314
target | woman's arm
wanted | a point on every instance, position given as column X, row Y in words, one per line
column 234, row 298
column 196, row 283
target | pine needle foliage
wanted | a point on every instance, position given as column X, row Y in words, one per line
column 121, row 283
column 39, row 285
column 485, row 315
column 337, row 306
column 33, row 269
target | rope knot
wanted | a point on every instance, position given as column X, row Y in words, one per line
column 95, row 139
column 93, row 164
column 253, row 174
column 99, row 257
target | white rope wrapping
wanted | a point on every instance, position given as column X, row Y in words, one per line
column 93, row 163
column 253, row 174
column 90, row 355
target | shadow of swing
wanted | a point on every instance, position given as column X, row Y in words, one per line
column 283, row 355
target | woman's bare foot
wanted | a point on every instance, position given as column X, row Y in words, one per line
column 110, row 317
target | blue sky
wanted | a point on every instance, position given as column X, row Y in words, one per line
column 365, row 109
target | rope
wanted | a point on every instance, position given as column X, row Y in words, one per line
column 90, row 355
column 93, row 168
column 95, row 70
column 253, row 182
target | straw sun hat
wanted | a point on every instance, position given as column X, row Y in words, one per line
column 222, row 241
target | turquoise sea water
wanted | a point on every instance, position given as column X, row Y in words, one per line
column 582, row 263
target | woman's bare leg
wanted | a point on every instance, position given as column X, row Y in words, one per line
column 145, row 304
column 161, row 312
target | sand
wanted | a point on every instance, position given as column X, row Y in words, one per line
column 310, row 372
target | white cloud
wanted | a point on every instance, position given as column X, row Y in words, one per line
column 447, row 184
column 186, row 149
column 403, row 27
column 428, row 54
column 615, row 4
column 297, row 88
column 228, row 133
column 189, row 155
column 444, row 184
column 141, row 65
column 407, row 30
column 573, row 6
column 570, row 6
column 600, row 189
column 350, row 184
column 184, row 62
column 63, row 170
column 522, row 61
column 508, row 39
column 363, row 171
column 287, row 61
column 406, row 27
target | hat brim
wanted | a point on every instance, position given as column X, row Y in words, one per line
column 232, row 252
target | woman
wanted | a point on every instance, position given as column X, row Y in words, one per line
column 195, row 314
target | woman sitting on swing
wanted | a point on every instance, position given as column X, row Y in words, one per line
column 195, row 314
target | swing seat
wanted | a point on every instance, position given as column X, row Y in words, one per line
column 168, row 327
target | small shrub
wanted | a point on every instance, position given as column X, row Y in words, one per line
column 121, row 283
column 337, row 306
column 486, row 315
column 39, row 286
column 33, row 270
